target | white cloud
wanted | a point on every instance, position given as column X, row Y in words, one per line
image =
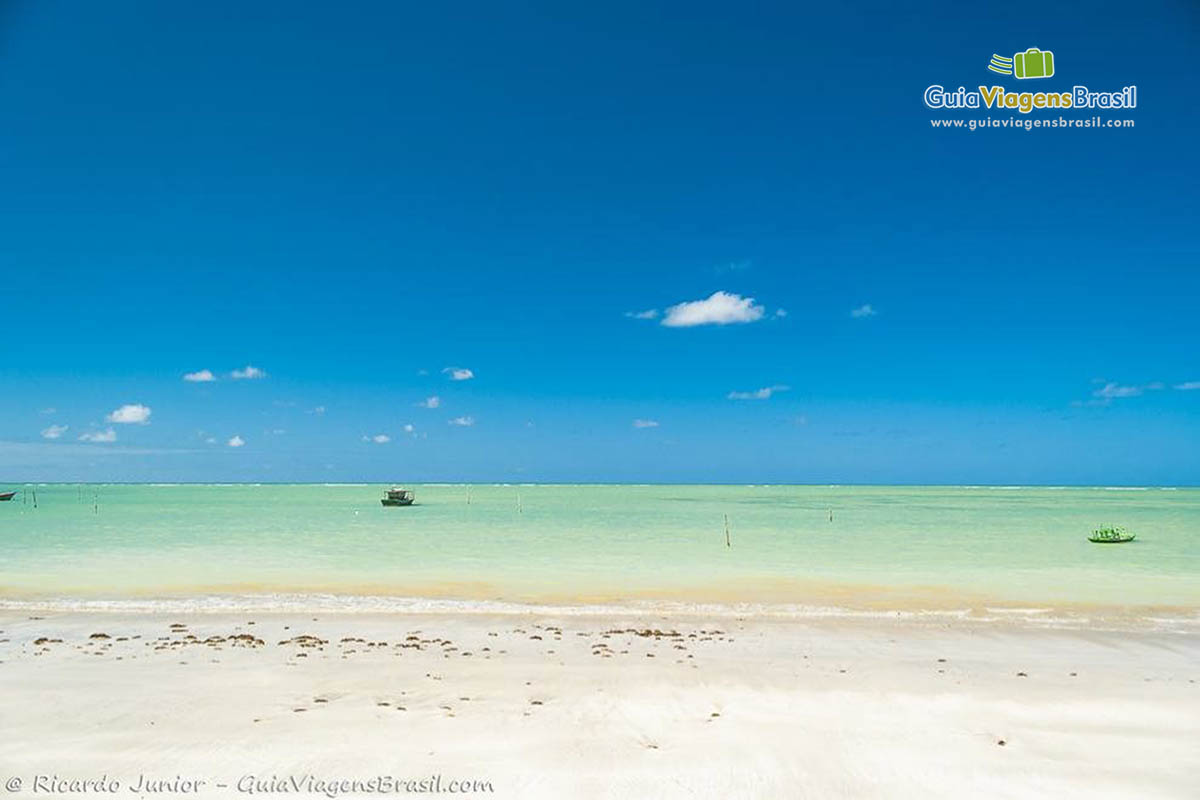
column 758, row 394
column 645, row 423
column 319, row 410
column 459, row 373
column 130, row 414
column 649, row 313
column 430, row 402
column 201, row 376
column 463, row 422
column 863, row 311
column 1112, row 390
column 104, row 436
column 48, row 411
column 236, row 441
column 781, row 313
column 248, row 373
column 54, row 432
column 409, row 428
column 379, row 438
column 721, row 308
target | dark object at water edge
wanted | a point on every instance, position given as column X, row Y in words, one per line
column 398, row 497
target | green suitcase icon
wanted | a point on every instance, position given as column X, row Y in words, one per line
column 1033, row 63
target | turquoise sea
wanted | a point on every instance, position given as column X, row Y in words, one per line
column 885, row 547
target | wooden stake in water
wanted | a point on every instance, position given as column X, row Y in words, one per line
column 727, row 543
column 520, row 508
column 468, row 495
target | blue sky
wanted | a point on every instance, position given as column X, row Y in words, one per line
column 354, row 199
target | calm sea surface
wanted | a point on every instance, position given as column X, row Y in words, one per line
column 885, row 547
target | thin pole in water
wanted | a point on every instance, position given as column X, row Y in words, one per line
column 727, row 542
column 520, row 508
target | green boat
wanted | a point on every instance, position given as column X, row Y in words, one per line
column 1111, row 535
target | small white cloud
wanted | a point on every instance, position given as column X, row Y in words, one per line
column 201, row 376
column 379, row 438
column 48, row 411
column 319, row 410
column 1112, row 390
column 100, row 437
column 430, row 402
column 758, row 394
column 247, row 373
column 459, row 373
column 720, row 308
column 409, row 428
column 54, row 432
column 131, row 414
column 781, row 313
column 236, row 441
column 649, row 313
column 863, row 311
column 277, row 431
column 463, row 422
column 1188, row 386
column 210, row 440
column 645, row 423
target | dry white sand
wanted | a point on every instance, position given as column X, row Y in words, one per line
column 564, row 707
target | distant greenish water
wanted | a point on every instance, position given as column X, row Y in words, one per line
column 886, row 547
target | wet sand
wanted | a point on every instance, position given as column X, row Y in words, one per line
column 535, row 705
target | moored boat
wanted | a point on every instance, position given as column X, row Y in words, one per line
column 6, row 496
column 398, row 497
column 1110, row 535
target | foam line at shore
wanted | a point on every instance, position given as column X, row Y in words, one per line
column 1180, row 620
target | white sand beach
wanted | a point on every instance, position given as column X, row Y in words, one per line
column 589, row 706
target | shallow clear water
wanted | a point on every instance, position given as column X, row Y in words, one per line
column 886, row 547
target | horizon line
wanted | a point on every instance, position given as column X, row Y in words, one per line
column 613, row 483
